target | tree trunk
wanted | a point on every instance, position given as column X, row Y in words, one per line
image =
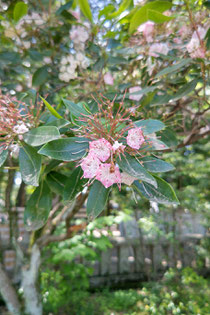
column 30, row 273
column 8, row 293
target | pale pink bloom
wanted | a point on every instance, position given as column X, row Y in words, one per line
column 79, row 34
column 161, row 48
column 184, row 31
column 177, row 40
column 194, row 49
column 148, row 31
column 135, row 138
column 127, row 179
column 101, row 149
column 107, row 175
column 118, row 146
column 90, row 165
column 198, row 53
column 108, row 78
column 134, row 97
column 201, row 32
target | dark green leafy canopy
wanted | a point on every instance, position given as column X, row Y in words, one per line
column 163, row 193
column 97, row 199
column 30, row 165
column 68, row 149
column 38, row 208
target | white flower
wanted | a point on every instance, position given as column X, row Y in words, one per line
column 20, row 128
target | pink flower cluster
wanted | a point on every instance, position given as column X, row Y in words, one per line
column 99, row 163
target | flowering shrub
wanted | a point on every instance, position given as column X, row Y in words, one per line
column 154, row 53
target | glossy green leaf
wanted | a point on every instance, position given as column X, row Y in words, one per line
column 76, row 109
column 185, row 90
column 163, row 193
column 74, row 184
column 85, row 8
column 141, row 15
column 97, row 199
column 131, row 165
column 63, row 7
column 150, row 125
column 158, row 17
column 168, row 136
column 41, row 135
column 123, row 6
column 38, row 208
column 51, row 109
column 30, row 165
column 156, row 144
column 68, row 149
column 155, row 165
column 40, row 76
column 59, row 123
column 20, row 10
column 56, row 181
column 3, row 155
column 175, row 68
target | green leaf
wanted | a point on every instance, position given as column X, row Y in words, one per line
column 51, row 109
column 66, row 6
column 85, row 8
column 30, row 165
column 168, row 137
column 131, row 165
column 155, row 165
column 59, row 123
column 74, row 184
column 56, row 181
column 149, row 125
column 37, row 208
column 40, row 76
column 123, row 6
column 97, row 199
column 174, row 68
column 156, row 145
column 141, row 15
column 163, row 193
column 3, row 155
column 185, row 90
column 20, row 10
column 158, row 17
column 143, row 91
column 76, row 109
column 68, row 149
column 41, row 135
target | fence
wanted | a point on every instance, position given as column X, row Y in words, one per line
column 133, row 256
